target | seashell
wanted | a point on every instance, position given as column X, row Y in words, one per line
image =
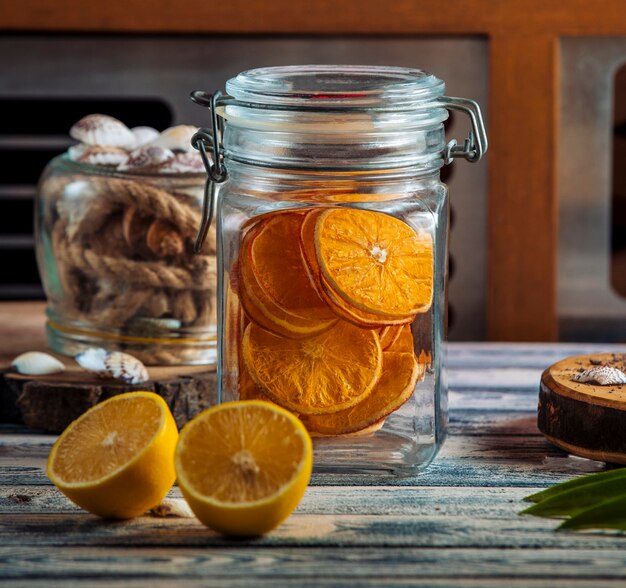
column 143, row 135
column 98, row 155
column 100, row 129
column 36, row 363
column 75, row 152
column 92, row 359
column 602, row 376
column 147, row 158
column 113, row 364
column 176, row 138
column 125, row 367
column 184, row 162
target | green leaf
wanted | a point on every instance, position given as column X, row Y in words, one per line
column 610, row 514
column 576, row 483
column 571, row 502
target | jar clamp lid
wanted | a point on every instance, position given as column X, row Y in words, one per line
column 410, row 97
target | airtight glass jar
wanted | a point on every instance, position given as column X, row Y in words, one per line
column 115, row 254
column 332, row 231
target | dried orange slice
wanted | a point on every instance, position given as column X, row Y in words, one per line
column 338, row 306
column 317, row 375
column 377, row 426
column 262, row 308
column 117, row 459
column 275, row 259
column 396, row 385
column 403, row 342
column 375, row 262
column 243, row 467
column 389, row 335
column 357, row 317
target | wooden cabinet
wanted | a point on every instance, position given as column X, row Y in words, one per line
column 523, row 107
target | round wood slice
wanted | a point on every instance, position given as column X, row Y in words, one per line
column 53, row 401
column 584, row 419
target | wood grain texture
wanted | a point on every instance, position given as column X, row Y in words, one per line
column 522, row 269
column 557, row 17
column 582, row 418
column 52, row 402
column 455, row 524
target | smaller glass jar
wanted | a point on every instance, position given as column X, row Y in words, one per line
column 115, row 254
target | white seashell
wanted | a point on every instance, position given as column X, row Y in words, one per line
column 143, row 135
column 36, row 363
column 603, row 376
column 188, row 162
column 176, row 138
column 75, row 152
column 100, row 129
column 125, row 367
column 172, row 507
column 92, row 359
column 98, row 155
column 147, row 158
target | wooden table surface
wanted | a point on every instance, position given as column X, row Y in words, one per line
column 456, row 524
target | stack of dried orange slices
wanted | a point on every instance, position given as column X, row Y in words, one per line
column 329, row 295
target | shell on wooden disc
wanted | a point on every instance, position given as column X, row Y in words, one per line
column 100, row 129
column 98, row 154
column 176, row 138
column 125, row 367
column 602, row 376
column 37, row 363
column 147, row 158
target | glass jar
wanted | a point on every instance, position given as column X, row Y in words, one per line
column 115, row 254
column 332, row 231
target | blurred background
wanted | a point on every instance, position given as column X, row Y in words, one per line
column 538, row 239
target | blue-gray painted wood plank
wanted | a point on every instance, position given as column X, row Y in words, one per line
column 454, row 524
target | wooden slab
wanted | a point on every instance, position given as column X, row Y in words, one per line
column 584, row 419
column 53, row 401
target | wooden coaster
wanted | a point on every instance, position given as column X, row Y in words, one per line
column 584, row 419
column 53, row 401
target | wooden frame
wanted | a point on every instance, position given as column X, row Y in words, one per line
column 524, row 102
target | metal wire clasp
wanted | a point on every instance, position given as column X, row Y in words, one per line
column 475, row 145
column 206, row 140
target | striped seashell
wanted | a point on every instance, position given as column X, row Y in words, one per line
column 143, row 135
column 176, row 138
column 100, row 129
column 125, row 367
column 147, row 158
column 113, row 364
column 184, row 162
column 36, row 363
column 602, row 376
column 98, row 155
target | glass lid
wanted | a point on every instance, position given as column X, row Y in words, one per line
column 337, row 86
